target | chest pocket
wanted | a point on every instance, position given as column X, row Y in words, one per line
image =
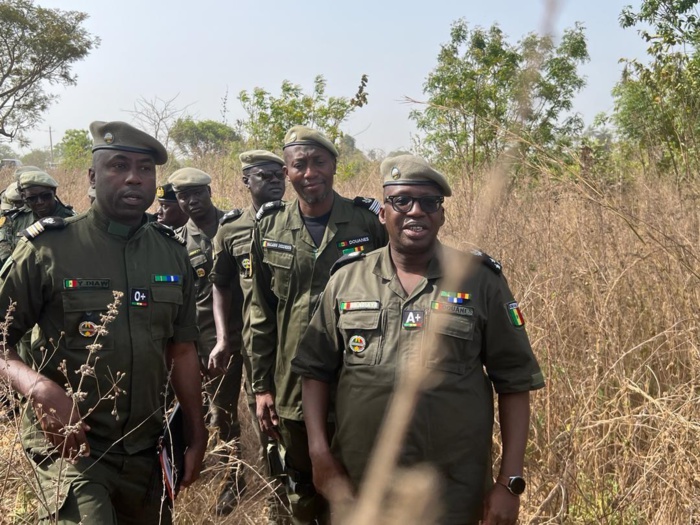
column 165, row 304
column 362, row 337
column 281, row 263
column 241, row 253
column 81, row 317
column 452, row 349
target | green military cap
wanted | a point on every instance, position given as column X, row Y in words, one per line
column 256, row 157
column 188, row 177
column 409, row 170
column 24, row 169
column 36, row 178
column 125, row 137
column 10, row 197
column 303, row 135
column 166, row 193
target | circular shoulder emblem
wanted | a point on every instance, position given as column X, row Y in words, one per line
column 357, row 344
column 395, row 173
column 87, row 329
column 2, row 220
column 109, row 138
column 201, row 272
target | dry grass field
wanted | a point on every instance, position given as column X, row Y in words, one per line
column 609, row 284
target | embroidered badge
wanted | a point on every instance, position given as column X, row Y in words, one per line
column 201, row 272
column 2, row 220
column 452, row 308
column 85, row 283
column 454, row 297
column 276, row 245
column 245, row 263
column 514, row 314
column 359, row 305
column 139, row 297
column 167, row 278
column 353, row 242
column 412, row 319
column 357, row 344
column 160, row 192
column 196, row 251
column 87, row 329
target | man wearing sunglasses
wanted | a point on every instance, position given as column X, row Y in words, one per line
column 418, row 302
column 37, row 190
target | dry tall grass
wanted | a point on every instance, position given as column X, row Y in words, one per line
column 609, row 282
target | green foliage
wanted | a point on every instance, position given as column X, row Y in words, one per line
column 197, row 139
column 486, row 94
column 37, row 157
column 75, row 149
column 38, row 47
column 6, row 152
column 269, row 117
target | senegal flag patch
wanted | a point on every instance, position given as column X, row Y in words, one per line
column 514, row 314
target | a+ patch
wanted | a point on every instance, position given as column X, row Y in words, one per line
column 412, row 319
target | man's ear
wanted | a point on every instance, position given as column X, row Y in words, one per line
column 382, row 217
column 246, row 182
column 91, row 177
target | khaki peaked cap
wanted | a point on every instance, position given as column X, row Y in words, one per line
column 410, row 170
column 36, row 178
column 302, row 135
column 258, row 157
column 188, row 178
column 125, row 137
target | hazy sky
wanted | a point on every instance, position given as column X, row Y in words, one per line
column 201, row 49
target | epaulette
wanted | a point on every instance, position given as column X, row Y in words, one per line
column 372, row 205
column 488, row 261
column 47, row 223
column 168, row 232
column 268, row 206
column 16, row 212
column 230, row 216
column 345, row 260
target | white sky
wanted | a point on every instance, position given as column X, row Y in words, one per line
column 199, row 49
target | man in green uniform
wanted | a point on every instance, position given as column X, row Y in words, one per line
column 94, row 450
column 191, row 187
column 169, row 211
column 263, row 175
column 294, row 247
column 419, row 302
column 38, row 192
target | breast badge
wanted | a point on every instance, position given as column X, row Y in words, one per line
column 357, row 344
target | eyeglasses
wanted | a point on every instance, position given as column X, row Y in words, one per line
column 269, row 175
column 404, row 203
column 44, row 197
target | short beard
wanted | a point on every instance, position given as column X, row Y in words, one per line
column 315, row 199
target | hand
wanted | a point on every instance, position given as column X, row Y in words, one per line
column 194, row 455
column 330, row 478
column 219, row 359
column 60, row 420
column 267, row 414
column 500, row 507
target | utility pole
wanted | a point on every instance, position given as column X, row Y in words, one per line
column 51, row 145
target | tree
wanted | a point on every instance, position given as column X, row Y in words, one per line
column 37, row 157
column 75, row 149
column 157, row 116
column 486, row 94
column 38, row 47
column 269, row 117
column 6, row 152
column 197, row 139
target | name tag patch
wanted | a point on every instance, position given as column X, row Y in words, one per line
column 167, row 278
column 353, row 245
column 69, row 284
column 139, row 297
column 452, row 308
column 412, row 319
column 276, row 245
column 359, row 305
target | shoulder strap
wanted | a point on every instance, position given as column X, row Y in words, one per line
column 230, row 216
column 167, row 231
column 489, row 261
column 372, row 205
column 40, row 226
column 267, row 207
column 345, row 260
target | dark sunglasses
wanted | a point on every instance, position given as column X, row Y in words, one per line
column 44, row 197
column 404, row 203
column 269, row 175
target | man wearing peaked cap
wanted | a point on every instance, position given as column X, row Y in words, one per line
column 169, row 212
column 95, row 453
column 263, row 176
column 294, row 247
column 193, row 194
column 419, row 305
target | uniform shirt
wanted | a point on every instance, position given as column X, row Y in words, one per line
column 62, row 281
column 200, row 252
column 232, row 267
column 289, row 274
column 16, row 221
column 367, row 329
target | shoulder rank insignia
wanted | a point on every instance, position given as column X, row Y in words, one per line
column 345, row 260
column 488, row 261
column 47, row 223
column 168, row 232
column 268, row 206
column 230, row 216
column 372, row 205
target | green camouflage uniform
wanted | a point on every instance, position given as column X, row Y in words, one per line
column 289, row 274
column 62, row 280
column 367, row 328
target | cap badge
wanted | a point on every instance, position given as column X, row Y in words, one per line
column 109, row 138
column 293, row 136
column 160, row 192
column 395, row 173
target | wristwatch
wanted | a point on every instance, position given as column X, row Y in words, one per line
column 514, row 484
